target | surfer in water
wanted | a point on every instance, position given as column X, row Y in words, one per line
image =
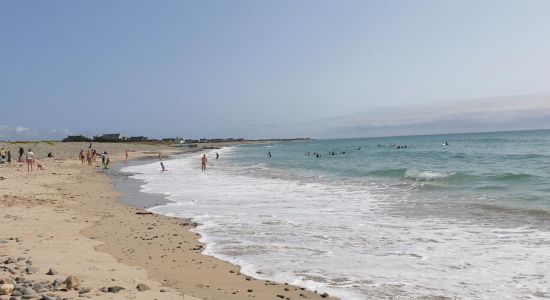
column 269, row 153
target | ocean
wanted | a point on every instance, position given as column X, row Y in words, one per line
column 376, row 220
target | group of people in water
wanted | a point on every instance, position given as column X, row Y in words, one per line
column 28, row 158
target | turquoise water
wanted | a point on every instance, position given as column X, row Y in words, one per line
column 505, row 170
column 470, row 220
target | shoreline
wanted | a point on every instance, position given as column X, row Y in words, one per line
column 71, row 218
column 213, row 278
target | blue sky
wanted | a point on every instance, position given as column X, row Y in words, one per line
column 257, row 68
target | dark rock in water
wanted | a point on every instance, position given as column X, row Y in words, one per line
column 115, row 289
column 324, row 295
column 142, row 287
column 51, row 271
column 84, row 290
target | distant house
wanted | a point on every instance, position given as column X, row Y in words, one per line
column 110, row 137
column 76, row 138
column 137, row 139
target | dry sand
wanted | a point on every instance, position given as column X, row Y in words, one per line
column 67, row 217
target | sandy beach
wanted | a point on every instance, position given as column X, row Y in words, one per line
column 68, row 218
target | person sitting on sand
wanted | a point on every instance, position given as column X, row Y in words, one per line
column 30, row 160
column 50, row 155
column 204, row 160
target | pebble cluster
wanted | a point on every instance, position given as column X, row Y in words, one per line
column 14, row 285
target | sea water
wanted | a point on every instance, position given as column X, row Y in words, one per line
column 468, row 220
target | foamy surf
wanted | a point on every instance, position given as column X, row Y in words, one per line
column 351, row 237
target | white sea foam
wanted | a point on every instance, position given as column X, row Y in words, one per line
column 341, row 238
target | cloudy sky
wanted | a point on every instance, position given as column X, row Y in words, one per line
column 272, row 68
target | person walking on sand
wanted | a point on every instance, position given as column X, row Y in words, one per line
column 126, row 153
column 9, row 157
column 30, row 160
column 81, row 156
column 204, row 160
column 21, row 152
column 89, row 157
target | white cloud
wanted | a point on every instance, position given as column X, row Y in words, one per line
column 21, row 129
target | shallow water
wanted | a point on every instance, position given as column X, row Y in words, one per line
column 467, row 220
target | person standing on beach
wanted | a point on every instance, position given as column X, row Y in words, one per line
column 217, row 155
column 89, row 157
column 21, row 152
column 30, row 160
column 126, row 153
column 9, row 157
column 81, row 156
column 204, row 160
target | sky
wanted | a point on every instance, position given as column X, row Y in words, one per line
column 269, row 69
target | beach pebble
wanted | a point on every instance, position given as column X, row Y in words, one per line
column 72, row 282
column 6, row 288
column 142, row 287
column 51, row 271
column 28, row 291
column 16, row 293
column 115, row 289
